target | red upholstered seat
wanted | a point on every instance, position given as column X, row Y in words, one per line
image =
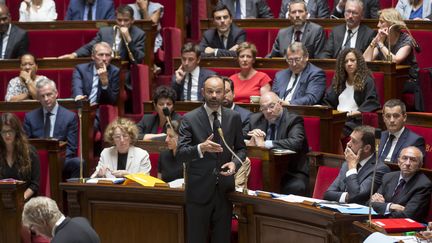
column 423, row 37
column 44, row 180
column 275, row 7
column 140, row 87
column 312, row 129
column 234, row 231
column 260, row 37
column 329, row 76
column 325, row 176
column 154, row 159
column 370, row 119
column 426, row 88
column 429, row 217
column 172, row 42
column 255, row 180
column 426, row 132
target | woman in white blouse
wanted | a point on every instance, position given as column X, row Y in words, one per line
column 37, row 10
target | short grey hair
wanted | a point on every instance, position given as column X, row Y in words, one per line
column 102, row 43
column 46, row 81
column 421, row 157
column 296, row 46
column 40, row 211
column 358, row 2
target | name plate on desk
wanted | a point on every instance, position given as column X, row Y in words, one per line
column 282, row 151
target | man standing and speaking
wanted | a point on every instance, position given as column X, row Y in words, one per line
column 210, row 167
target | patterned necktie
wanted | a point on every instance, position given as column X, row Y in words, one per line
column 348, row 39
column 47, row 125
column 399, row 188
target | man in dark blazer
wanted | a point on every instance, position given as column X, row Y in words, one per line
column 405, row 193
column 123, row 31
column 228, row 102
column 353, row 184
column 371, row 8
column 63, row 125
column 317, row 9
column 394, row 116
column 78, row 10
column 13, row 40
column 42, row 215
column 301, row 30
column 253, row 9
column 223, row 40
column 302, row 83
column 210, row 167
column 276, row 128
column 353, row 34
column 189, row 78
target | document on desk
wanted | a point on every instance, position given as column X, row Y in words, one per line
column 298, row 199
column 378, row 237
column 282, row 151
column 105, row 180
column 349, row 208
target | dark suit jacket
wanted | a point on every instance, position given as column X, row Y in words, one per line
column 17, row 44
column 104, row 10
column 203, row 75
column 334, row 43
column 82, row 80
column 75, row 230
column 315, row 8
column 254, row 8
column 201, row 180
column 310, row 88
column 407, row 138
column 290, row 135
column 371, row 8
column 357, row 185
column 244, row 114
column 65, row 127
column 313, row 38
column 210, row 38
column 150, row 122
column 106, row 34
column 415, row 196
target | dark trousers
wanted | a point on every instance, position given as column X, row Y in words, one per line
column 214, row 216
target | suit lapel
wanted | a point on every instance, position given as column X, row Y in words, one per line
column 283, row 126
column 285, row 84
column 205, row 124
column 384, row 138
column 58, row 121
column 367, row 168
column 12, row 39
column 200, row 83
column 89, row 77
column 360, row 38
column 129, row 158
column 399, row 143
column 300, row 82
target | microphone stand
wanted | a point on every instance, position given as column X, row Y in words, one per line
column 377, row 143
column 81, row 179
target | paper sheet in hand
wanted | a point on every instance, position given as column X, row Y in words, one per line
column 350, row 208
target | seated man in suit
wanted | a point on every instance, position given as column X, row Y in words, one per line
column 353, row 184
column 405, row 193
column 13, row 40
column 125, row 39
column 52, row 120
column 302, row 83
column 248, row 9
column 310, row 34
column 189, row 77
column 353, row 34
column 315, row 8
column 370, row 10
column 276, row 128
column 90, row 10
column 223, row 40
column 228, row 101
column 397, row 135
column 42, row 215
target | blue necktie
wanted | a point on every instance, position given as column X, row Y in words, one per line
column 238, row 10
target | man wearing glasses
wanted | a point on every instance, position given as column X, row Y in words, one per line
column 302, row 83
column 276, row 128
column 352, row 34
column 371, row 8
column 397, row 135
column 405, row 193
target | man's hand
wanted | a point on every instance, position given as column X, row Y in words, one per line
column 103, row 74
column 209, row 146
column 179, row 74
column 352, row 158
column 125, row 33
column 209, row 50
column 377, row 198
column 231, row 169
column 234, row 48
column 256, row 133
column 259, row 141
column 68, row 56
column 341, row 4
column 396, row 207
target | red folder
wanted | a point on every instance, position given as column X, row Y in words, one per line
column 398, row 225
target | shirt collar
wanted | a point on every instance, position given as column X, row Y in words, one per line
column 353, row 30
column 195, row 72
column 210, row 111
column 61, row 219
column 302, row 29
column 364, row 161
column 405, row 179
column 398, row 133
column 233, row 106
column 226, row 34
column 54, row 110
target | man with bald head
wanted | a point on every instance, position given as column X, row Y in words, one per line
column 405, row 193
column 276, row 128
column 13, row 40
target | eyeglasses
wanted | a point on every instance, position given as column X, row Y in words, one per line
column 294, row 60
column 405, row 158
column 120, row 136
column 8, row 133
column 354, row 14
column 271, row 106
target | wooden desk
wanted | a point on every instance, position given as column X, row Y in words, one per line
column 129, row 213
column 264, row 220
column 11, row 205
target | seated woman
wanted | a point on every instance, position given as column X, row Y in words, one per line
column 37, row 10
column 414, row 9
column 23, row 87
column 168, row 168
column 352, row 89
column 18, row 159
column 248, row 82
column 123, row 158
column 153, row 126
column 401, row 51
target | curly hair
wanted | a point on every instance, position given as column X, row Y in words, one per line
column 125, row 125
column 341, row 75
column 166, row 92
column 21, row 154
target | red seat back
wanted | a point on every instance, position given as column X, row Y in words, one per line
column 44, row 180
column 140, row 87
column 325, row 177
column 255, row 180
column 423, row 37
column 154, row 159
column 261, row 39
column 275, row 7
column 312, row 129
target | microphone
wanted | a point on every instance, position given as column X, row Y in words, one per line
column 167, row 114
column 377, row 143
column 226, row 145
